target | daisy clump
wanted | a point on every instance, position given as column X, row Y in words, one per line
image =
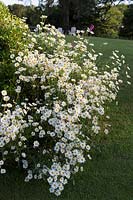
column 48, row 124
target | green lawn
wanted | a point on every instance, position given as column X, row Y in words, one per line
column 109, row 174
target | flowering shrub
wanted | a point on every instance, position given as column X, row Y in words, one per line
column 12, row 40
column 58, row 106
column 11, row 31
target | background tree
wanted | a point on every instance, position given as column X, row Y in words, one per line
column 127, row 28
column 112, row 23
column 18, row 9
column 86, row 12
column 77, row 12
column 31, row 13
column 64, row 7
column 103, row 7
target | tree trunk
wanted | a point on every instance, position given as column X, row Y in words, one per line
column 65, row 14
